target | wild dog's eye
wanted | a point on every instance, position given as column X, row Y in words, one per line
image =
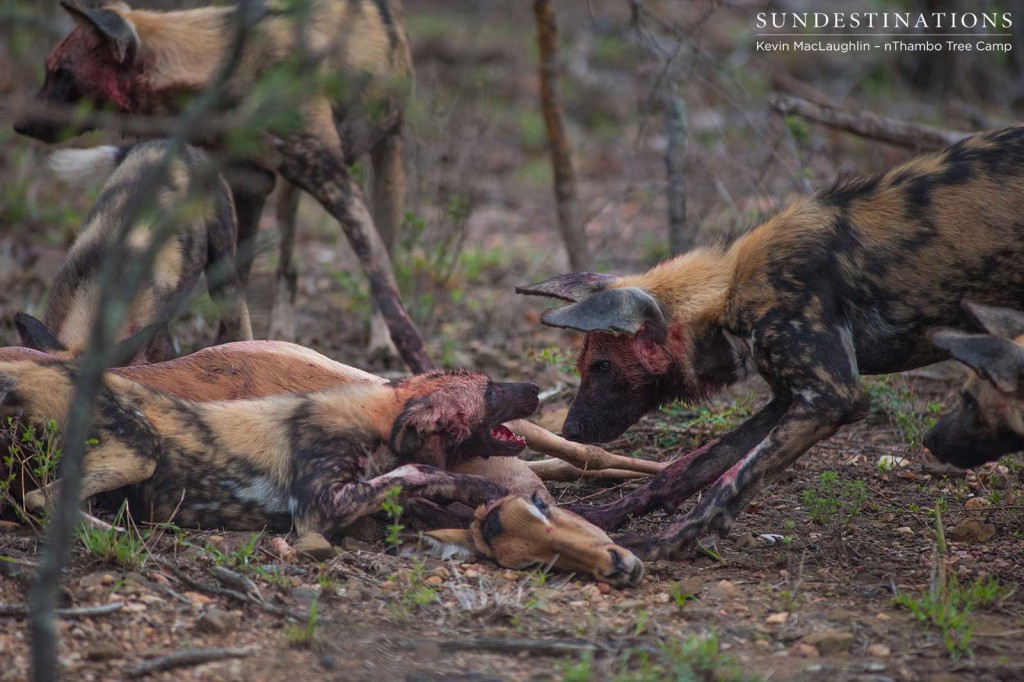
column 600, row 366
column 541, row 505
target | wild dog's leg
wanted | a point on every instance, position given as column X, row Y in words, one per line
column 686, row 476
column 340, row 505
column 818, row 369
column 222, row 276
column 250, row 186
column 107, row 466
column 320, row 170
column 282, row 314
column 388, row 207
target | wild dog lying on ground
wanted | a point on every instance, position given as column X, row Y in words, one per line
column 196, row 202
column 143, row 62
column 316, row 460
column 989, row 421
column 843, row 283
column 519, row 532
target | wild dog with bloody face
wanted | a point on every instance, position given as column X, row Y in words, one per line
column 989, row 421
column 317, row 461
column 196, row 202
column 843, row 283
column 147, row 62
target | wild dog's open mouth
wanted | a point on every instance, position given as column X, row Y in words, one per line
column 503, row 435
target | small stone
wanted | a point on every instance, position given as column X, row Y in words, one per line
column 107, row 579
column 662, row 598
column 353, row 545
column 879, row 651
column 892, row 462
column 197, row 598
column 104, row 651
column 549, row 609
column 216, row 621
column 804, row 650
column 443, row 573
column 604, row 588
column 973, row 532
column 883, row 616
column 509, row 575
column 977, row 505
column 904, row 530
column 434, row 580
column 830, row 642
column 314, row 546
column 280, row 548
column 777, row 618
column 215, row 542
column 628, row 604
column 471, row 574
column 305, row 595
column 726, row 588
column 354, row 594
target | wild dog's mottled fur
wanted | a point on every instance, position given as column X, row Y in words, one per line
column 197, row 202
column 843, row 283
column 308, row 458
column 143, row 62
column 989, row 421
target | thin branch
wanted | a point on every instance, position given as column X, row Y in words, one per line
column 187, row 657
column 22, row 610
column 869, row 125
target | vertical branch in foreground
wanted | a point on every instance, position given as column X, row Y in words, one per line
column 558, row 140
column 101, row 352
column 680, row 239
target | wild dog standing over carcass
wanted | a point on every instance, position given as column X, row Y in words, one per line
column 191, row 201
column 145, row 62
column 844, row 283
column 989, row 421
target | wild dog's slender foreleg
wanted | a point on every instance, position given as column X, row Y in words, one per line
column 340, row 505
column 282, row 314
column 250, row 186
column 690, row 474
column 222, row 277
column 107, row 466
column 817, row 368
column 320, row 170
column 388, row 207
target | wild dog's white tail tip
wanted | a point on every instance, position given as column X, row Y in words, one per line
column 80, row 167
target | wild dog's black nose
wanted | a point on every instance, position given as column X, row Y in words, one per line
column 571, row 431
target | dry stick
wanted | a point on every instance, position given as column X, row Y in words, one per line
column 180, row 659
column 867, row 124
column 21, row 610
column 98, row 354
column 563, row 472
column 558, row 140
column 579, row 454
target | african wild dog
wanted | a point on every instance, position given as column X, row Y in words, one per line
column 519, row 532
column 989, row 421
column 843, row 283
column 145, row 62
column 192, row 201
column 316, row 460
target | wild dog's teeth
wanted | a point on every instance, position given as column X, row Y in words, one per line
column 503, row 433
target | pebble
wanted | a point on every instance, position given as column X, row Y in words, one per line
column 830, row 641
column 197, row 598
column 509, row 575
column 104, row 651
column 879, row 651
column 604, row 588
column 216, row 621
column 804, row 650
column 977, row 505
column 314, row 546
column 973, row 531
column 726, row 588
column 280, row 548
column 471, row 574
column 904, row 530
column 549, row 609
column 434, row 580
column 777, row 618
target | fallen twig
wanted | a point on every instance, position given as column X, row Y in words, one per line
column 580, row 455
column 22, row 610
column 180, row 659
column 868, row 124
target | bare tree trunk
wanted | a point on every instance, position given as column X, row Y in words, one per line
column 558, row 141
column 680, row 239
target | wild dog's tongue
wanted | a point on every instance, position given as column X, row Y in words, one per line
column 502, row 432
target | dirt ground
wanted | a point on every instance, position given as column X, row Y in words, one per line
column 806, row 585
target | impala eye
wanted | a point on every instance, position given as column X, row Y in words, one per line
column 541, row 505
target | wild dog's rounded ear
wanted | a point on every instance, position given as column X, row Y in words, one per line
column 569, row 287
column 612, row 310
column 36, row 335
column 118, row 31
column 997, row 360
column 1003, row 322
column 407, row 436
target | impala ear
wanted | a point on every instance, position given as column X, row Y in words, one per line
column 119, row 33
column 1005, row 323
column 612, row 310
column 571, row 287
column 36, row 335
column 450, row 543
column 996, row 360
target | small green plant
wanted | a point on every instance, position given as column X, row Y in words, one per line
column 947, row 604
column 302, row 635
column 552, row 356
column 679, row 595
column 895, row 399
column 393, row 510
column 414, row 590
column 833, row 501
column 125, row 549
column 30, row 461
